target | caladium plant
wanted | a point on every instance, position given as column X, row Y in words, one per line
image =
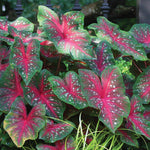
column 49, row 75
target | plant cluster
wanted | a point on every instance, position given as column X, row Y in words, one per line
column 48, row 77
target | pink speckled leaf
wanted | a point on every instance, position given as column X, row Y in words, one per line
column 10, row 88
column 25, row 36
column 3, row 26
column 55, row 131
column 66, row 38
column 39, row 91
column 4, row 53
column 128, row 137
column 142, row 86
column 22, row 24
column 69, row 89
column 141, row 33
column 120, row 40
column 104, row 58
column 26, row 59
column 140, row 125
column 107, row 95
column 22, row 126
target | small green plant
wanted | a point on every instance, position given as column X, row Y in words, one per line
column 47, row 78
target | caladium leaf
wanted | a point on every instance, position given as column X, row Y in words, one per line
column 39, row 91
column 140, row 125
column 46, row 13
column 104, row 58
column 4, row 52
column 69, row 89
column 26, row 59
column 62, row 33
column 141, row 86
column 22, row 24
column 146, row 113
column 55, row 131
column 25, row 36
column 77, row 18
column 10, row 88
column 3, row 26
column 21, row 126
column 141, row 33
column 128, row 137
column 122, row 41
column 59, row 145
column 107, row 95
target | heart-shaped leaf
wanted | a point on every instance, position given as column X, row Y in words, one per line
column 55, row 131
column 141, row 33
column 141, row 86
column 10, row 88
column 69, row 89
column 107, row 95
column 128, row 137
column 140, row 125
column 26, row 59
column 39, row 91
column 62, row 33
column 120, row 40
column 21, row 126
column 104, row 58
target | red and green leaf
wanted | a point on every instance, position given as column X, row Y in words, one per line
column 128, row 137
column 26, row 59
column 59, row 145
column 3, row 26
column 104, row 58
column 120, row 40
column 10, row 88
column 140, row 125
column 22, row 127
column 141, row 33
column 25, row 36
column 69, row 90
column 62, row 33
column 22, row 24
column 39, row 91
column 141, row 86
column 107, row 95
column 55, row 131
column 4, row 53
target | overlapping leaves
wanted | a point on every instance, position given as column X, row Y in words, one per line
column 63, row 33
column 39, row 91
column 69, row 89
column 141, row 86
column 140, row 125
column 10, row 88
column 120, row 40
column 55, row 131
column 104, row 58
